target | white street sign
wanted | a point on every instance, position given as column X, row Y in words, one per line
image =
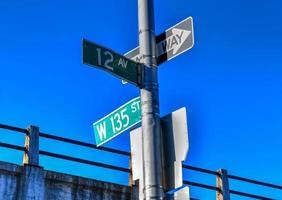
column 175, row 138
column 175, row 133
column 174, row 41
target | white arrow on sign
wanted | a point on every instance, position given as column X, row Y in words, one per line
column 173, row 42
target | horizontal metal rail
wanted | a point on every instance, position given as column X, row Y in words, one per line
column 67, row 140
column 195, row 184
column 232, row 177
column 98, row 164
column 12, row 128
column 249, row 195
column 11, row 146
column 191, row 183
column 83, row 144
column 21, row 130
column 255, row 182
column 200, row 169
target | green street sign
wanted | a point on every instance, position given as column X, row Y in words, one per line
column 118, row 121
column 110, row 61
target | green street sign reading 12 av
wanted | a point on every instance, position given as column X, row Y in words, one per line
column 118, row 121
column 110, row 61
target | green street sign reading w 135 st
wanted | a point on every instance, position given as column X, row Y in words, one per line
column 110, row 61
column 118, row 121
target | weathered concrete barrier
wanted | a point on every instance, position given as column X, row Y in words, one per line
column 30, row 182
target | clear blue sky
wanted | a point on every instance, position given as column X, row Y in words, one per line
column 230, row 82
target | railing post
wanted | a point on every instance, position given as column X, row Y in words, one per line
column 222, row 184
column 32, row 179
column 31, row 155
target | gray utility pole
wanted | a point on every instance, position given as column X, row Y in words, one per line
column 152, row 145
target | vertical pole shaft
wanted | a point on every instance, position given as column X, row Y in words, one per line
column 222, row 184
column 152, row 148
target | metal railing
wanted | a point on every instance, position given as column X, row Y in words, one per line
column 220, row 188
column 65, row 157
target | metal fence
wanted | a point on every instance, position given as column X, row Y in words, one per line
column 223, row 190
column 31, row 156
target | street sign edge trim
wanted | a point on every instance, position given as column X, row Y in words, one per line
column 115, row 110
column 178, row 24
column 131, row 51
column 119, row 54
column 118, row 133
column 192, row 38
column 158, row 64
column 106, row 70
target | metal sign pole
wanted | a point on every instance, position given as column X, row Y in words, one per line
column 152, row 160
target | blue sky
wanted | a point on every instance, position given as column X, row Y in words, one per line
column 230, row 82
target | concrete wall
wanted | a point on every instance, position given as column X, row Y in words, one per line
column 35, row 183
